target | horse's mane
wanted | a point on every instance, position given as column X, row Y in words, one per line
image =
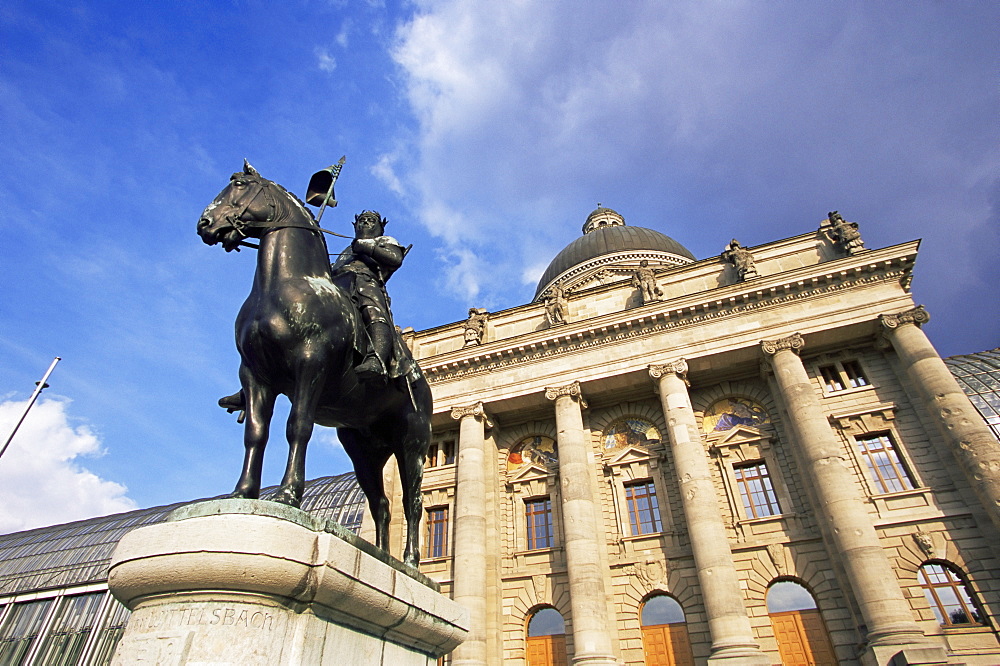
column 301, row 204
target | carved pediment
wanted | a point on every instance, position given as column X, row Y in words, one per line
column 529, row 472
column 739, row 434
column 876, row 417
column 742, row 441
column 628, row 455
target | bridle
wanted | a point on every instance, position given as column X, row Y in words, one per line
column 241, row 225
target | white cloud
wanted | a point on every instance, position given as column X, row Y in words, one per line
column 343, row 35
column 324, row 60
column 385, row 171
column 699, row 119
column 41, row 480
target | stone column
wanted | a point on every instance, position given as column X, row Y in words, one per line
column 844, row 513
column 964, row 431
column 592, row 628
column 732, row 636
column 469, row 577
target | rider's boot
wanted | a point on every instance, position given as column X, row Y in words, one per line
column 376, row 364
column 233, row 402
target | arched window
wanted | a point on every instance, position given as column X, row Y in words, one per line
column 950, row 598
column 665, row 638
column 546, row 643
column 798, row 626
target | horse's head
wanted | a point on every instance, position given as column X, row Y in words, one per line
column 231, row 217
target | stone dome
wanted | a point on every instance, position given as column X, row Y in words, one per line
column 606, row 238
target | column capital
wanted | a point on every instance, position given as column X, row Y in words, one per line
column 572, row 390
column 678, row 367
column 792, row 343
column 476, row 410
column 915, row 316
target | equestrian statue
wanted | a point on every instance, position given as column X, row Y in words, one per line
column 323, row 336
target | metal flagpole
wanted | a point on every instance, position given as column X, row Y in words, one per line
column 39, row 386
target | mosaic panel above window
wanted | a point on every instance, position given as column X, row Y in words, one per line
column 631, row 432
column 731, row 412
column 536, row 449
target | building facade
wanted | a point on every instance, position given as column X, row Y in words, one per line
column 756, row 458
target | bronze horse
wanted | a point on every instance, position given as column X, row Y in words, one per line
column 296, row 334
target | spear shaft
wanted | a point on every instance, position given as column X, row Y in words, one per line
column 34, row 396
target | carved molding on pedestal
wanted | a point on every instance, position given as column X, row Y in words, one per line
column 572, row 390
column 477, row 411
column 678, row 367
column 793, row 343
column 916, row 316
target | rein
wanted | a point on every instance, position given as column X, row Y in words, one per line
column 269, row 224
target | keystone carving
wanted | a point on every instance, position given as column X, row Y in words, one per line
column 776, row 552
column 476, row 411
column 572, row 390
column 925, row 543
column 678, row 367
column 916, row 316
column 793, row 343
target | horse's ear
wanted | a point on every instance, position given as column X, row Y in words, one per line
column 248, row 168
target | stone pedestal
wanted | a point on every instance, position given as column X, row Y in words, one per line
column 249, row 583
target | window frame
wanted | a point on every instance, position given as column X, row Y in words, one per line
column 845, row 372
column 635, row 512
column 958, row 583
column 897, row 462
column 530, row 528
column 429, row 531
column 745, row 445
column 438, row 447
column 747, row 494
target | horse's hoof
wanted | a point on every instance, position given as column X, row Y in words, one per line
column 288, row 497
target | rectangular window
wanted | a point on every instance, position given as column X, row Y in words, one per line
column 21, row 628
column 831, row 378
column 756, row 490
column 885, row 469
column 538, row 517
column 843, row 376
column 70, row 629
column 441, row 453
column 437, row 531
column 855, row 377
column 643, row 510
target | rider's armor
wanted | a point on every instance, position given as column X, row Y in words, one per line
column 371, row 261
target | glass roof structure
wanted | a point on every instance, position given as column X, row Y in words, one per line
column 78, row 553
column 979, row 376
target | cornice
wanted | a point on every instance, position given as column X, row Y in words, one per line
column 873, row 267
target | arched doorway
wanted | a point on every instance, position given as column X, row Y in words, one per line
column 546, row 643
column 665, row 639
column 798, row 626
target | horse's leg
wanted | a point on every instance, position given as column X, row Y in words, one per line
column 369, row 461
column 259, row 408
column 301, row 419
column 411, row 450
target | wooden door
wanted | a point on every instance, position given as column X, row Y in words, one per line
column 802, row 638
column 667, row 645
column 547, row 650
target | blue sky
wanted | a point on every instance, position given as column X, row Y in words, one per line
column 485, row 132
